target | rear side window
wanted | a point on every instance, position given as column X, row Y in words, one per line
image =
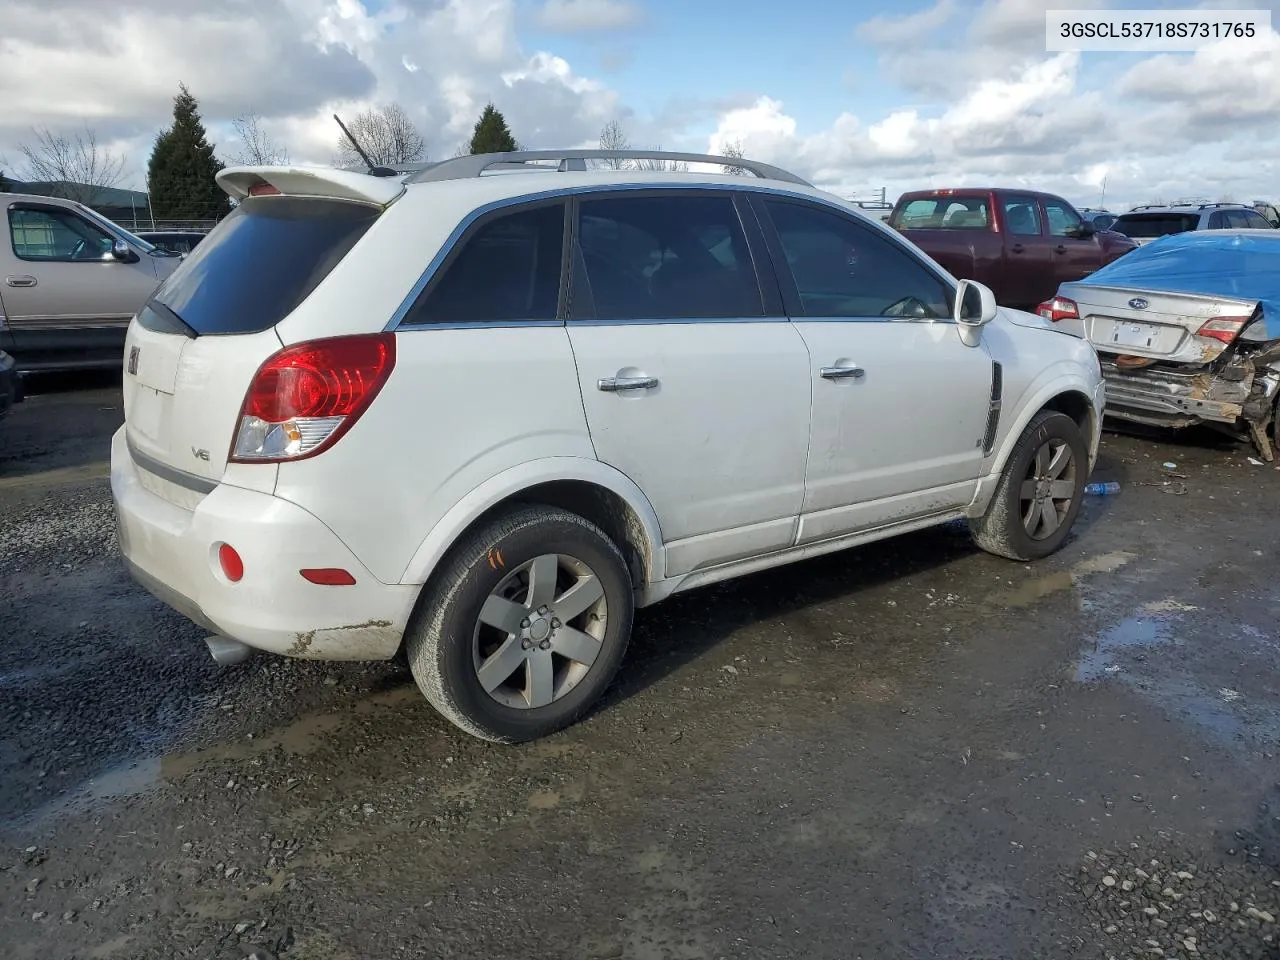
column 1022, row 216
column 1145, row 225
column 261, row 262
column 945, row 213
column 1254, row 220
column 508, row 268
column 665, row 258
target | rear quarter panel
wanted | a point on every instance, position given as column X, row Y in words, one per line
column 461, row 407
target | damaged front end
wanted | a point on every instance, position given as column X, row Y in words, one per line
column 1234, row 389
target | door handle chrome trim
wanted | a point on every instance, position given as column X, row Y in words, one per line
column 23, row 281
column 842, row 373
column 618, row 384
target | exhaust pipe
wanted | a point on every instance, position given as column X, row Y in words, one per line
column 226, row 651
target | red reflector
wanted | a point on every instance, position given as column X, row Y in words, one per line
column 232, row 565
column 337, row 377
column 329, row 577
column 263, row 190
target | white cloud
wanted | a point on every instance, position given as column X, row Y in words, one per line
column 1221, row 85
column 581, row 16
column 907, row 28
column 979, row 101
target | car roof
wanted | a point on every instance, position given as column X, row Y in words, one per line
column 38, row 198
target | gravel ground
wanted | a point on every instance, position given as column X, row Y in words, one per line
column 910, row 750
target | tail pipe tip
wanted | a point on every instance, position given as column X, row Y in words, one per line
column 226, row 651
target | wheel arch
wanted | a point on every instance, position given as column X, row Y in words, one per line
column 589, row 488
column 1064, row 391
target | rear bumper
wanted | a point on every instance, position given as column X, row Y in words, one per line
column 1170, row 397
column 171, row 551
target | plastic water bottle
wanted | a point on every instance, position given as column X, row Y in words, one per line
column 1101, row 489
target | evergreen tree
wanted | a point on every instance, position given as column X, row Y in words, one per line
column 182, row 167
column 491, row 134
column 6, row 185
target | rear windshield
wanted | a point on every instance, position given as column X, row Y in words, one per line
column 1155, row 224
column 261, row 262
column 942, row 213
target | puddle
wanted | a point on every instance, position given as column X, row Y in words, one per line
column 1131, row 633
column 1028, row 593
column 117, row 783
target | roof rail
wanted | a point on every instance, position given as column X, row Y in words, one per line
column 473, row 165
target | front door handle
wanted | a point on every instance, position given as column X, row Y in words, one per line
column 1061, row 248
column 842, row 373
column 1017, row 248
column 619, row 384
column 23, row 281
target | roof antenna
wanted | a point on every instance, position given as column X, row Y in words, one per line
column 374, row 170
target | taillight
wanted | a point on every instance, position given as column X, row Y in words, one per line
column 303, row 398
column 1059, row 308
column 1223, row 328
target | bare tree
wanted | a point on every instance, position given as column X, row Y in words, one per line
column 656, row 163
column 77, row 166
column 734, row 151
column 386, row 134
column 613, row 137
column 257, row 148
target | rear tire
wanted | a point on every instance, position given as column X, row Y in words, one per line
column 523, row 626
column 1038, row 497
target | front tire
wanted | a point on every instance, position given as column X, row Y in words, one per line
column 1039, row 493
column 524, row 625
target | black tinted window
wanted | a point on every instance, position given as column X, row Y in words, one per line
column 665, row 258
column 261, row 262
column 1254, row 220
column 1143, row 225
column 843, row 269
column 507, row 269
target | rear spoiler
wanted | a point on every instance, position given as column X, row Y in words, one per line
column 325, row 182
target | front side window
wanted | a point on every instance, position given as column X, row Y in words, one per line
column 1063, row 221
column 507, row 269
column 665, row 258
column 51, row 233
column 1022, row 216
column 843, row 269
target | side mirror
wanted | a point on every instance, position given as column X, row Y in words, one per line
column 123, row 252
column 975, row 307
column 1085, row 230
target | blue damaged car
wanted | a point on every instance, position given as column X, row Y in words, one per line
column 1187, row 330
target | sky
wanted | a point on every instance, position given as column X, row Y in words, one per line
column 854, row 96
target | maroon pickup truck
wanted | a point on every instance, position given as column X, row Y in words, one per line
column 1020, row 243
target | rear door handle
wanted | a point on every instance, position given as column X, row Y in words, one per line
column 1061, row 248
column 1017, row 248
column 619, row 384
column 842, row 373
column 23, row 281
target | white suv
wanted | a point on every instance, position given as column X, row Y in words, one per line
column 480, row 411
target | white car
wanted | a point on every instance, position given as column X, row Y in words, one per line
column 480, row 411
